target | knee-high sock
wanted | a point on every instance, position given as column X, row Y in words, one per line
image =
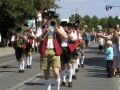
column 47, row 84
column 77, row 63
column 23, row 64
column 63, row 75
column 73, row 68
column 70, row 75
column 82, row 59
column 30, row 60
column 27, row 59
column 57, row 84
column 20, row 65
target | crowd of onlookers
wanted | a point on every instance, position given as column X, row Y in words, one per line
column 5, row 42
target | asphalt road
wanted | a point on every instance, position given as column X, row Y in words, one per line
column 91, row 77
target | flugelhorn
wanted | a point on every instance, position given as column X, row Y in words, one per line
column 52, row 23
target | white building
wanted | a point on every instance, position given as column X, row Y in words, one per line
column 65, row 20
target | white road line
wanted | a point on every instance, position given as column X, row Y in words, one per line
column 22, row 83
column 21, row 88
column 37, row 79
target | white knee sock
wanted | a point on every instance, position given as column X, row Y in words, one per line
column 70, row 75
column 73, row 68
column 57, row 84
column 30, row 60
column 63, row 75
column 82, row 59
column 23, row 64
column 27, row 59
column 77, row 63
column 20, row 65
column 47, row 84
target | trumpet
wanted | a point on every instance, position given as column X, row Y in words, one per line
column 52, row 23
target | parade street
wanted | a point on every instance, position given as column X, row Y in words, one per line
column 91, row 77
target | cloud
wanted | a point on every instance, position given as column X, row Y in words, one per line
column 76, row 0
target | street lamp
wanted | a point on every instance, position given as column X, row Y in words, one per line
column 76, row 10
column 110, row 7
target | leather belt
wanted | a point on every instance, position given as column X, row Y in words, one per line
column 49, row 48
column 64, row 47
column 50, row 37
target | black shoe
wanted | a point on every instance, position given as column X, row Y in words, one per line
column 70, row 84
column 74, row 77
column 63, row 84
column 20, row 71
column 82, row 65
column 27, row 66
column 79, row 66
column 76, row 70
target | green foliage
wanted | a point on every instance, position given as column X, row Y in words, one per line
column 72, row 18
column 15, row 12
column 44, row 4
column 93, row 22
column 111, row 22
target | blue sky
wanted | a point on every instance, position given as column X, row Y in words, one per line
column 88, row 7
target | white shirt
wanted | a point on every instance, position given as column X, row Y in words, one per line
column 13, row 37
column 50, row 43
column 75, row 37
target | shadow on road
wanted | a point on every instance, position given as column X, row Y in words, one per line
column 98, row 67
column 33, row 84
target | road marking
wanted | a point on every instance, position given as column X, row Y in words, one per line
column 21, row 88
column 22, row 83
column 37, row 79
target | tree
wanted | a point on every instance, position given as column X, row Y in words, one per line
column 103, row 22
column 111, row 22
column 58, row 19
column 94, row 22
column 117, row 20
column 86, row 18
column 72, row 18
column 13, row 13
column 44, row 5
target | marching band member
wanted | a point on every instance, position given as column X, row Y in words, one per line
column 50, row 49
column 30, row 38
column 18, row 42
column 68, row 47
column 82, row 46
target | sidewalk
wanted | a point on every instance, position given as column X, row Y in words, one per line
column 6, row 51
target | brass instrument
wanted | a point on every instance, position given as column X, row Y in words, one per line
column 52, row 23
column 81, row 25
column 20, row 40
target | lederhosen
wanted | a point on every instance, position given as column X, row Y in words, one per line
column 28, row 46
column 19, row 50
column 67, row 55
